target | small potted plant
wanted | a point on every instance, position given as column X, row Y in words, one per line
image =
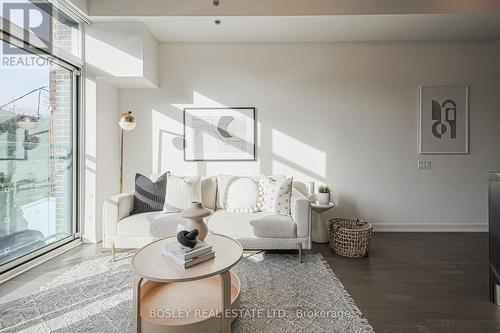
column 324, row 195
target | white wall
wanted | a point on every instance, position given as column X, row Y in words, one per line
column 150, row 56
column 157, row 8
column 338, row 113
column 108, row 153
column 101, row 152
column 125, row 54
column 88, row 225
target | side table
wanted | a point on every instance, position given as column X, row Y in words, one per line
column 319, row 227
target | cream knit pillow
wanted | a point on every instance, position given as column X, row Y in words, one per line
column 209, row 192
column 181, row 191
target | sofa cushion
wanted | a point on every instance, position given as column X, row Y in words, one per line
column 246, row 225
column 274, row 226
column 155, row 224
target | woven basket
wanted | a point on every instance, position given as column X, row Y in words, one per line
column 350, row 237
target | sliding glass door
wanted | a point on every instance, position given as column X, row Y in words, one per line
column 36, row 157
column 38, row 102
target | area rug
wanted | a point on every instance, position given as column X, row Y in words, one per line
column 278, row 295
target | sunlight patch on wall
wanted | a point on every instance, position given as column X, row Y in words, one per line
column 176, row 161
column 199, row 100
column 279, row 168
column 303, row 158
column 167, row 146
column 202, row 101
column 110, row 59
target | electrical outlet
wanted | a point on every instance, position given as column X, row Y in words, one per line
column 424, row 165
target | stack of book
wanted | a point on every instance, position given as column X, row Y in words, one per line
column 187, row 256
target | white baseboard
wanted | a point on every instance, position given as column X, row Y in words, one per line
column 429, row 227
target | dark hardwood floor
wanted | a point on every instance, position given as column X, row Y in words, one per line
column 421, row 282
column 411, row 282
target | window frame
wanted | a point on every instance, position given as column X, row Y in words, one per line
column 75, row 66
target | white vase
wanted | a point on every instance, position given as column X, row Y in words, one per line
column 312, row 197
column 323, row 198
column 198, row 223
column 195, row 214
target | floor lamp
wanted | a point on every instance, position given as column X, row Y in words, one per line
column 127, row 123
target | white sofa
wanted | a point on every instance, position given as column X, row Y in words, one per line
column 255, row 231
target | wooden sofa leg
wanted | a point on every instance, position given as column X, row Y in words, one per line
column 300, row 253
column 113, row 251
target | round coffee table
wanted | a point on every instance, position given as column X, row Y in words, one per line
column 168, row 298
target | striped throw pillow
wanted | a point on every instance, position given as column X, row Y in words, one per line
column 149, row 196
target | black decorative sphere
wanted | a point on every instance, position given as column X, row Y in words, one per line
column 187, row 238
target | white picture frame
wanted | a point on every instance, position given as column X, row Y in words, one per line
column 443, row 119
column 219, row 134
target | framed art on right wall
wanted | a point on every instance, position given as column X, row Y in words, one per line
column 444, row 119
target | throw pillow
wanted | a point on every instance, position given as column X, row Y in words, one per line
column 242, row 196
column 181, row 191
column 149, row 195
column 209, row 192
column 223, row 183
column 274, row 195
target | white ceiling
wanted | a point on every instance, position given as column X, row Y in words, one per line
column 406, row 27
column 153, row 8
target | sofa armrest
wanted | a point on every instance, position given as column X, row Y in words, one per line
column 114, row 209
column 301, row 213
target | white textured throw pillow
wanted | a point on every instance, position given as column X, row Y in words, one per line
column 181, row 191
column 209, row 192
column 242, row 195
column 274, row 195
